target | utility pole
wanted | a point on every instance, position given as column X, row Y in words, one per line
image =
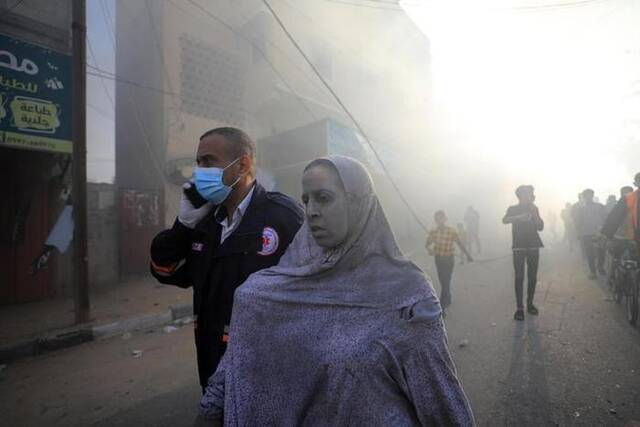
column 79, row 165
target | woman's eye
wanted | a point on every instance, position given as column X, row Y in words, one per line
column 324, row 198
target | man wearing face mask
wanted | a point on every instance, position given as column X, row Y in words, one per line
column 228, row 227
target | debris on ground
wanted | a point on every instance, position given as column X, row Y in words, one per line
column 136, row 353
column 168, row 329
column 613, row 411
column 126, row 336
column 576, row 414
column 494, row 324
column 183, row 321
column 463, row 343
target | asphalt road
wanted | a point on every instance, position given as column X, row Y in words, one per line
column 577, row 363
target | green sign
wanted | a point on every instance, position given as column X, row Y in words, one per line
column 35, row 97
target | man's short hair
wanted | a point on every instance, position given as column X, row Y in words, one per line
column 636, row 179
column 626, row 189
column 439, row 213
column 239, row 142
column 588, row 192
column 523, row 189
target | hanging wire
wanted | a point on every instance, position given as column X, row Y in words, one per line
column 349, row 114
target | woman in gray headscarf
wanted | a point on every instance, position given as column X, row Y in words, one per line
column 344, row 330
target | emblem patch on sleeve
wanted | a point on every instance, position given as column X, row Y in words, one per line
column 270, row 242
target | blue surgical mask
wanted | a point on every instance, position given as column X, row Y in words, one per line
column 210, row 184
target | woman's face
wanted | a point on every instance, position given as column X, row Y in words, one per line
column 326, row 206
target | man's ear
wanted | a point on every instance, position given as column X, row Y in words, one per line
column 245, row 164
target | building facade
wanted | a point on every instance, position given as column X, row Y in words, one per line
column 190, row 69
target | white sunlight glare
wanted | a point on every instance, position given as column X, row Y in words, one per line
column 540, row 91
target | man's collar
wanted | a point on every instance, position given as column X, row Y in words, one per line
column 222, row 215
column 244, row 204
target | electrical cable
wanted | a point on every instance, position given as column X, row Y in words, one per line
column 348, row 112
column 560, row 5
column 98, row 72
column 101, row 112
column 368, row 6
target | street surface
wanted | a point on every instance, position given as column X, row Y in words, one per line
column 577, row 363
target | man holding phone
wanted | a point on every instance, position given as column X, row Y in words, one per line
column 228, row 227
column 526, row 223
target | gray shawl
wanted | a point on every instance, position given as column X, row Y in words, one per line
column 347, row 336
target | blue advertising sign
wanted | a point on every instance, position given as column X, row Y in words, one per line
column 35, row 97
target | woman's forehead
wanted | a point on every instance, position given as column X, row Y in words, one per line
column 321, row 176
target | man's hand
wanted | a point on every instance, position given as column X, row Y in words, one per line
column 188, row 215
column 517, row 218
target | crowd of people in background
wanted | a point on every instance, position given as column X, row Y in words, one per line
column 589, row 224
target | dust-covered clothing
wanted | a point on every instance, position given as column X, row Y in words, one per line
column 525, row 233
column 526, row 244
column 443, row 239
column 589, row 219
column 350, row 335
column 444, row 267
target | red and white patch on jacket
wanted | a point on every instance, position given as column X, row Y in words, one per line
column 270, row 242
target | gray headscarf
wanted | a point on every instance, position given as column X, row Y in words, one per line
column 325, row 334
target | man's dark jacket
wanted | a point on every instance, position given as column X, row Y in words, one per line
column 617, row 216
column 215, row 270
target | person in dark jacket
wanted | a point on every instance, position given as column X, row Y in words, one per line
column 624, row 217
column 228, row 227
column 589, row 220
column 526, row 223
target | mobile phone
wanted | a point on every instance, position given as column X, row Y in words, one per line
column 194, row 197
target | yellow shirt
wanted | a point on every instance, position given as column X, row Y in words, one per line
column 443, row 239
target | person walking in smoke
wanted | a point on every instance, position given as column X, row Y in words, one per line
column 440, row 244
column 525, row 223
column 624, row 221
column 589, row 220
column 344, row 331
column 472, row 220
